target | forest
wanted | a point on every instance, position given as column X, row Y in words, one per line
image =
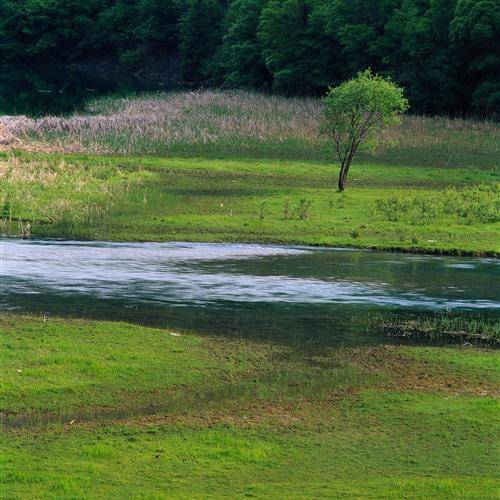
column 445, row 53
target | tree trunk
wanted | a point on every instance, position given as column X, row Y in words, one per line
column 341, row 177
column 344, row 169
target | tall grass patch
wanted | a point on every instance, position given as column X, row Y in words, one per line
column 247, row 124
column 65, row 196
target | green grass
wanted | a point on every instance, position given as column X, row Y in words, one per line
column 459, row 328
column 469, row 363
column 113, row 410
column 91, row 369
column 106, row 410
column 445, row 210
column 246, row 167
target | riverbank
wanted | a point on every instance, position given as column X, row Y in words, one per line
column 233, row 166
column 118, row 409
column 425, row 209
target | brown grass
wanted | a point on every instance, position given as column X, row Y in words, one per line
column 399, row 373
column 160, row 123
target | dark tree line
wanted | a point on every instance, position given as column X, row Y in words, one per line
column 446, row 53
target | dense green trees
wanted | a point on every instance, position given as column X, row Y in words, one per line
column 240, row 58
column 444, row 52
column 200, row 33
column 417, row 47
column 475, row 30
column 288, row 45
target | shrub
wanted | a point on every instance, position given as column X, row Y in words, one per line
column 480, row 203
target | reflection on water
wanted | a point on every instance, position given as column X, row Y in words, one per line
column 254, row 289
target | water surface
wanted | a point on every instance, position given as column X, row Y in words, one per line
column 256, row 290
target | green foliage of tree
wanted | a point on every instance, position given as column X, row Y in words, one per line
column 417, row 47
column 288, row 45
column 157, row 24
column 200, row 33
column 359, row 27
column 475, row 29
column 444, row 52
column 116, row 29
column 300, row 53
column 240, row 57
column 356, row 111
column 57, row 29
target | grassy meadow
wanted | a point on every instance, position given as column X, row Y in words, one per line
column 162, row 199
column 233, row 166
column 111, row 410
column 94, row 409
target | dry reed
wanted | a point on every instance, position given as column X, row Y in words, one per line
column 162, row 123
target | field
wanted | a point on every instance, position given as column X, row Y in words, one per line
column 112, row 410
column 213, row 166
column 107, row 410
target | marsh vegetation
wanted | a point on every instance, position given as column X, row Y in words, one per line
column 249, row 125
column 443, row 327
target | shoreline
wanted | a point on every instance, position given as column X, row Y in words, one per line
column 373, row 248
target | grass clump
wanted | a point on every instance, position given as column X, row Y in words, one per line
column 60, row 194
column 445, row 327
column 480, row 203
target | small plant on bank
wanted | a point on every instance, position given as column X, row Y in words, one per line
column 444, row 327
column 341, row 203
column 356, row 111
column 263, row 210
column 401, row 235
column 467, row 205
column 303, row 208
column 24, row 229
column 286, row 210
column 6, row 210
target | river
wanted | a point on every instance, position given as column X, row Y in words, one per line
column 285, row 292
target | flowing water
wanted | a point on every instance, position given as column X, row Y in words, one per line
column 283, row 292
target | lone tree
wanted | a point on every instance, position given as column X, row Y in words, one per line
column 356, row 111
